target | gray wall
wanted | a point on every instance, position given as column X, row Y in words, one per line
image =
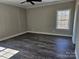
column 12, row 20
column 77, row 34
column 76, row 29
column 43, row 19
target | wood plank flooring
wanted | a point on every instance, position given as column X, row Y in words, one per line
column 37, row 46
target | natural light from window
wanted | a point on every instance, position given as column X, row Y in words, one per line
column 63, row 17
column 7, row 53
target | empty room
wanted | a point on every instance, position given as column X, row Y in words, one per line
column 39, row 29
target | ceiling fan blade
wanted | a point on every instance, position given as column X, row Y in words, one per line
column 23, row 2
column 32, row 3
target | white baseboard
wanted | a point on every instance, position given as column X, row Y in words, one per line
column 48, row 33
column 5, row 38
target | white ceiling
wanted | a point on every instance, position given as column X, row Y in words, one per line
column 27, row 4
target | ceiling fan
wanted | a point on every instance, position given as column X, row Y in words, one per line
column 31, row 1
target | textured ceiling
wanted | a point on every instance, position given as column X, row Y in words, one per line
column 27, row 4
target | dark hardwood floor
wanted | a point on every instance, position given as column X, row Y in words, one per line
column 37, row 46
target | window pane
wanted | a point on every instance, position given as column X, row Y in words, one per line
column 63, row 19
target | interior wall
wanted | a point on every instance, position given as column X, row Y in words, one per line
column 77, row 34
column 12, row 20
column 76, row 29
column 43, row 19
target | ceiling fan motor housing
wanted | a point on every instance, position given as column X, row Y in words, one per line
column 31, row 1
column 34, row 0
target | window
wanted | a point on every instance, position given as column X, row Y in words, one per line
column 63, row 17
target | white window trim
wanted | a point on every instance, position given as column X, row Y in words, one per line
column 68, row 21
